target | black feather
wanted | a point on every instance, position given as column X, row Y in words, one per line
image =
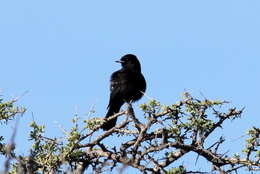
column 126, row 85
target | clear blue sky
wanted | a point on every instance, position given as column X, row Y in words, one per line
column 63, row 53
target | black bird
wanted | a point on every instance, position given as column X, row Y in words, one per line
column 126, row 85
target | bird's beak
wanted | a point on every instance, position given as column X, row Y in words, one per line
column 119, row 61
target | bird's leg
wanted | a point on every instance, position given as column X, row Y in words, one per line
column 129, row 109
column 130, row 112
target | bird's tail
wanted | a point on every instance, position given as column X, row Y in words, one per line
column 113, row 109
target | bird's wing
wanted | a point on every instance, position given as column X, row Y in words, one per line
column 115, row 87
column 115, row 82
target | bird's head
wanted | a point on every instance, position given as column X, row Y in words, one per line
column 131, row 62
